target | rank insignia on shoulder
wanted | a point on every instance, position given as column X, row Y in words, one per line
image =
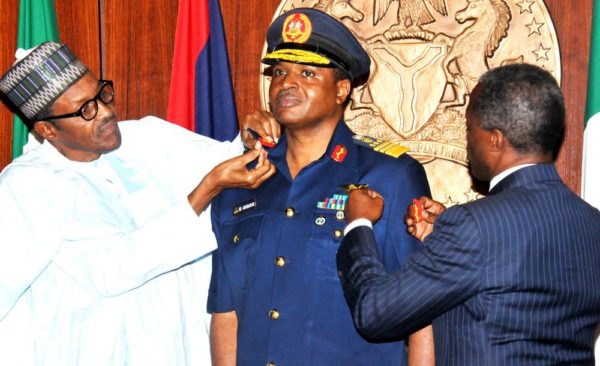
column 390, row 148
column 339, row 153
column 244, row 206
column 336, row 202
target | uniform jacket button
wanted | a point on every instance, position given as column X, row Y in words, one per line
column 338, row 233
column 236, row 239
column 289, row 212
column 274, row 314
column 280, row 261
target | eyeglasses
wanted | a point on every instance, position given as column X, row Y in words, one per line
column 89, row 109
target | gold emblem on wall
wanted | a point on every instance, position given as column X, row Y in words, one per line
column 427, row 56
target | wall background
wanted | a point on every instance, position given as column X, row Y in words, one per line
column 133, row 45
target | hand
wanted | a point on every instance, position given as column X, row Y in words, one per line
column 231, row 173
column 431, row 210
column 264, row 124
column 363, row 203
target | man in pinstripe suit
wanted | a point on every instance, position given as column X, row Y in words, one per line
column 511, row 279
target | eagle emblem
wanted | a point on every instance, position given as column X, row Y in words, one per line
column 412, row 14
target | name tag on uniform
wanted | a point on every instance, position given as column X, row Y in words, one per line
column 244, row 206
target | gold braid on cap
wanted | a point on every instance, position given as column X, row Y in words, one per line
column 297, row 56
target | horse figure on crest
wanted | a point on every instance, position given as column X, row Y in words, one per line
column 340, row 9
column 471, row 49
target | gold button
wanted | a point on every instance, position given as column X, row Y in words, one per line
column 271, row 364
column 274, row 314
column 289, row 212
column 280, row 261
column 338, row 233
column 236, row 239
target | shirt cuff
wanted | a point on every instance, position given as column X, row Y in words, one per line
column 356, row 223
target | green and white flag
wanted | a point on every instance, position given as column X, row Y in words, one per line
column 590, row 174
column 590, row 182
column 37, row 24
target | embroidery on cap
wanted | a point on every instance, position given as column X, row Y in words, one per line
column 296, row 28
column 244, row 206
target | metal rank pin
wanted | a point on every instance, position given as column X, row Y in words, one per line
column 353, row 186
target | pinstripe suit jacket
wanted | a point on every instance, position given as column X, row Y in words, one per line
column 511, row 279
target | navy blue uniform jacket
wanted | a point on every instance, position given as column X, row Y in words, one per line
column 275, row 265
column 511, row 279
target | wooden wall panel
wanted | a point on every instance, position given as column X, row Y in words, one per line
column 137, row 51
column 572, row 20
column 246, row 26
column 9, row 13
column 78, row 28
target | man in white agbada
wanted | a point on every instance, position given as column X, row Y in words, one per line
column 105, row 253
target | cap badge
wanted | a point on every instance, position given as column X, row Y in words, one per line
column 339, row 153
column 296, row 28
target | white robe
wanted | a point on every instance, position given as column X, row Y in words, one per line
column 106, row 263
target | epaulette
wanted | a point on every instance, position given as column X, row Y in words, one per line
column 383, row 146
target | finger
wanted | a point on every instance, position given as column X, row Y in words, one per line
column 356, row 193
column 429, row 217
column 262, row 158
column 265, row 158
column 256, row 122
column 246, row 136
column 259, row 175
column 250, row 156
column 265, row 125
column 260, row 161
column 376, row 194
column 275, row 127
column 262, row 122
column 267, row 175
column 408, row 220
column 427, row 203
column 249, row 122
